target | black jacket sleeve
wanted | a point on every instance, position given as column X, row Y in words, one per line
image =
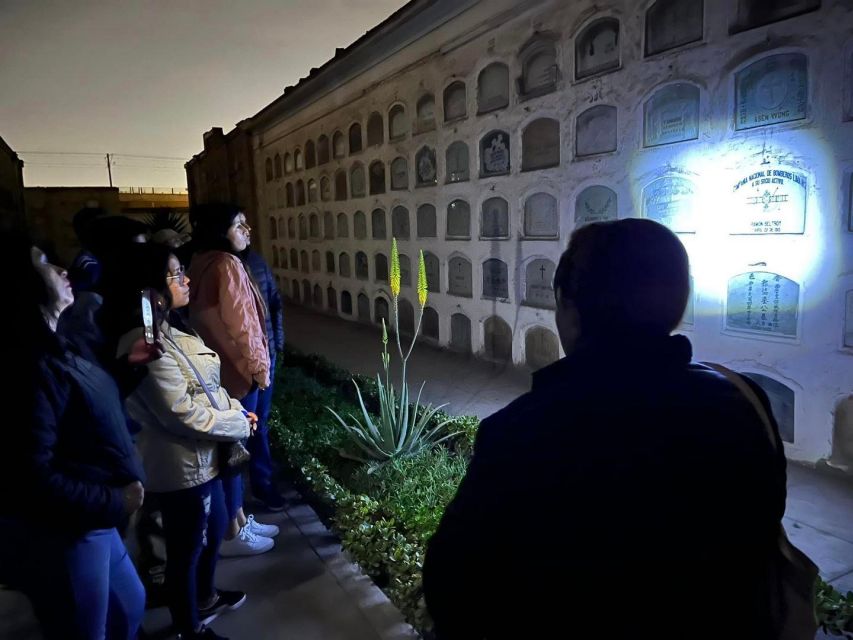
column 276, row 309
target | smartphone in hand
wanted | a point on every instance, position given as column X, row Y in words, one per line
column 148, row 317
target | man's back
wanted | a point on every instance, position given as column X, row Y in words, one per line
column 629, row 491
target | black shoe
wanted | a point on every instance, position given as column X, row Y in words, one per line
column 205, row 633
column 225, row 601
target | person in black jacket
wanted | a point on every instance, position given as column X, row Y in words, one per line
column 261, row 468
column 632, row 492
column 70, row 465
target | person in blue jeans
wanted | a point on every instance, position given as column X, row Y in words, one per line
column 69, row 457
column 261, row 467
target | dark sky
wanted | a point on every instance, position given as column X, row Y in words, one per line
column 147, row 78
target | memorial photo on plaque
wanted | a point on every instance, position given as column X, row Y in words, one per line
column 541, row 218
column 494, row 154
column 495, row 279
column 458, row 220
column 497, row 339
column 670, row 201
column 541, row 347
column 597, row 48
column 671, row 115
column 343, row 226
column 375, row 130
column 377, row 177
column 493, row 88
column 456, row 161
column 356, row 180
column 539, row 284
column 344, row 266
column 595, row 131
column 361, row 266
column 673, row 23
column 539, row 70
column 460, row 333
column 425, row 167
column 398, row 126
column 346, row 303
column 426, row 113
column 340, row 185
column 378, row 224
column 355, row 138
column 540, row 145
column 399, row 174
column 363, row 308
column 339, row 145
column 772, row 90
column 782, row 402
column 460, row 277
column 400, row 223
column 433, row 272
column 430, row 323
column 763, row 302
column 495, row 219
column 359, row 225
column 455, row 101
column 848, row 320
column 427, row 227
column 405, row 270
column 770, row 200
column 596, row 203
column 381, row 268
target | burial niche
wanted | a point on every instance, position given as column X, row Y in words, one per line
column 763, row 302
column 460, row 277
column 771, row 91
column 541, row 347
column 671, row 115
column 495, row 279
column 497, row 339
column 460, row 333
column 597, row 48
column 541, row 218
column 595, row 131
column 539, row 284
column 596, row 203
column 673, row 23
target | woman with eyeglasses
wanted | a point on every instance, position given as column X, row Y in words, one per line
column 184, row 414
column 228, row 311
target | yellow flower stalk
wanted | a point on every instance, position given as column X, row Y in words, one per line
column 422, row 281
column 395, row 269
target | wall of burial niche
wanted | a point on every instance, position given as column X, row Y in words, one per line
column 489, row 157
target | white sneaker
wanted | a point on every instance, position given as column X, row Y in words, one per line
column 264, row 530
column 245, row 543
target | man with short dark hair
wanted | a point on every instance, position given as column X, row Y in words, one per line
column 631, row 492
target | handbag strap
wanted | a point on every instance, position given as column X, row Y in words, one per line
column 195, row 371
column 737, row 380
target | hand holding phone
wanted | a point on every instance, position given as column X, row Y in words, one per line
column 149, row 322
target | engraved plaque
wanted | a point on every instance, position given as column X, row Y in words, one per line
column 494, row 154
column 426, row 171
column 539, row 284
column 540, row 145
column 540, row 216
column 595, row 131
column 763, row 302
column 460, row 333
column 426, row 221
column 671, row 115
column 495, row 218
column 770, row 200
column 400, row 223
column 670, row 201
column 495, row 279
column 460, row 277
column 595, row 204
column 772, row 90
column 457, row 162
column 541, row 347
column 458, row 219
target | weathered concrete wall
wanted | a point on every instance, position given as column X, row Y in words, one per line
column 810, row 352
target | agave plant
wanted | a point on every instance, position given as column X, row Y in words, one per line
column 166, row 219
column 402, row 428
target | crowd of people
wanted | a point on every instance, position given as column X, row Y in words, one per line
column 631, row 492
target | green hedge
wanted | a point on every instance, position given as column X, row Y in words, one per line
column 385, row 518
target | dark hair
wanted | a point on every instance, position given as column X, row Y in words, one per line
column 210, row 224
column 83, row 220
column 626, row 277
column 112, row 234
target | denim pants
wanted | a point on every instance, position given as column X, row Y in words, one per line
column 232, row 479
column 194, row 522
column 81, row 588
column 261, row 464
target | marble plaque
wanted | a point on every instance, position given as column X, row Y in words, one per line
column 405, row 271
column 596, row 203
column 346, row 303
column 670, row 201
column 540, row 145
column 495, row 279
column 332, row 299
column 325, row 189
column 433, row 272
column 397, row 124
column 772, row 90
column 344, row 266
column 314, row 225
column 494, row 154
column 497, row 338
column 671, row 115
column 363, row 308
column 318, row 296
column 454, row 101
column 541, row 218
column 356, row 181
column 541, row 348
column 426, row 169
column 315, row 261
column 539, row 284
column 381, row 273
column 673, row 23
column 460, row 277
column 540, row 70
column 763, row 302
column 430, row 323
column 457, row 162
column 377, row 178
column 426, row 221
column 597, row 48
column 400, row 223
column 361, row 267
column 407, row 317
column 400, row 174
column 595, row 131
column 458, row 219
column 460, row 333
column 339, row 144
column 343, row 226
column 340, row 185
column 380, row 308
column 495, row 218
column 303, row 261
column 359, row 225
column 328, row 226
column 769, row 200
column 782, row 403
column 848, row 321
column 493, row 88
column 330, row 262
column 355, row 138
column 375, row 130
column 377, row 221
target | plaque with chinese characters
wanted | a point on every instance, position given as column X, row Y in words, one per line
column 596, row 203
column 772, row 90
column 763, row 302
column 771, row 200
column 670, row 201
column 494, row 151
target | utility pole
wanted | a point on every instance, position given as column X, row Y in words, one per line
column 109, row 170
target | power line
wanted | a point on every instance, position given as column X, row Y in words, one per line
column 101, row 155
